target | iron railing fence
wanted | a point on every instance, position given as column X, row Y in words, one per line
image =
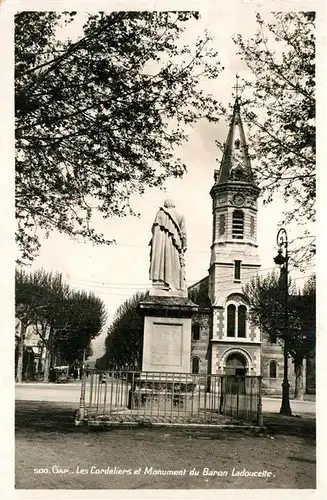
column 130, row 396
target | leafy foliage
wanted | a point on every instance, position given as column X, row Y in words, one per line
column 199, row 294
column 266, row 298
column 65, row 320
column 124, row 341
column 98, row 119
column 281, row 109
column 84, row 319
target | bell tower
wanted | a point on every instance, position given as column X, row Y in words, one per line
column 234, row 256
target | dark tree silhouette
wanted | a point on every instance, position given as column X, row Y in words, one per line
column 124, row 341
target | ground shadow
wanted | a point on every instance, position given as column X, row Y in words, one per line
column 291, row 426
column 303, row 460
column 36, row 416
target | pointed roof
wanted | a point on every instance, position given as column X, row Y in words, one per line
column 235, row 164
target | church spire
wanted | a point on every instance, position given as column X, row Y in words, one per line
column 235, row 164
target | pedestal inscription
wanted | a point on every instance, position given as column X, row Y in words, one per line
column 167, row 334
column 166, row 344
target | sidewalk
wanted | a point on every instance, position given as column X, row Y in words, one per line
column 308, row 398
column 292, row 400
column 51, row 384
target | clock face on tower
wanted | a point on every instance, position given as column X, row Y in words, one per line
column 238, row 200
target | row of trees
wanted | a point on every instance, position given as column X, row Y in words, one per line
column 98, row 119
column 265, row 297
column 124, row 340
column 63, row 320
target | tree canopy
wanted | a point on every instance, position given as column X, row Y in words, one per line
column 279, row 108
column 98, row 119
column 199, row 293
column 65, row 320
column 266, row 298
column 124, row 341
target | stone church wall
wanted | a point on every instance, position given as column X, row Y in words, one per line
column 274, row 352
column 200, row 348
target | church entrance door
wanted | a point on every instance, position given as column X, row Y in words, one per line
column 236, row 367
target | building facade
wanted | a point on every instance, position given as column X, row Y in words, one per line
column 223, row 339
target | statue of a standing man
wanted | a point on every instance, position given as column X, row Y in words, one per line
column 168, row 245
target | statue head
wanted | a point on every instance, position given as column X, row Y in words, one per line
column 169, row 204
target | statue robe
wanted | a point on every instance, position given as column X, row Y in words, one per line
column 168, row 241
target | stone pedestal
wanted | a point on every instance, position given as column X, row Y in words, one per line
column 167, row 333
column 165, row 384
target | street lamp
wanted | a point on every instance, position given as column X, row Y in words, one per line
column 282, row 260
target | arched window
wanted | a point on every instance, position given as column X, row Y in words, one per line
column 241, row 321
column 238, row 225
column 195, row 332
column 236, row 320
column 195, row 365
column 272, row 369
column 231, row 314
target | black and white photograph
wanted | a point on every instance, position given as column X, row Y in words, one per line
column 163, row 252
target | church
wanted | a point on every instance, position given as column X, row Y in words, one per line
column 223, row 339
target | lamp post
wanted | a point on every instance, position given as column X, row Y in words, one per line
column 282, row 260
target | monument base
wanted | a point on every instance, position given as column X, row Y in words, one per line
column 168, row 392
column 162, row 401
column 162, row 292
column 167, row 333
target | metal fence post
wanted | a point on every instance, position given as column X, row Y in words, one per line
column 80, row 413
column 222, row 388
column 259, row 412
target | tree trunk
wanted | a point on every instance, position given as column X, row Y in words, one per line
column 39, row 365
column 46, row 365
column 20, row 350
column 298, row 369
column 48, row 356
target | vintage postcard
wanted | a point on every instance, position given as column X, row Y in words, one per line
column 159, row 236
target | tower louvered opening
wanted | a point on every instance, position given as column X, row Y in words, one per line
column 238, row 225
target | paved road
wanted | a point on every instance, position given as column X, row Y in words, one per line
column 70, row 393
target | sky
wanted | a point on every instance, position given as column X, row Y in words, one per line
column 115, row 272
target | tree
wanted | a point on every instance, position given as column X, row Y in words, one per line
column 82, row 320
column 65, row 320
column 265, row 297
column 280, row 111
column 97, row 119
column 28, row 305
column 199, row 293
column 50, row 323
column 124, row 341
column 303, row 331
